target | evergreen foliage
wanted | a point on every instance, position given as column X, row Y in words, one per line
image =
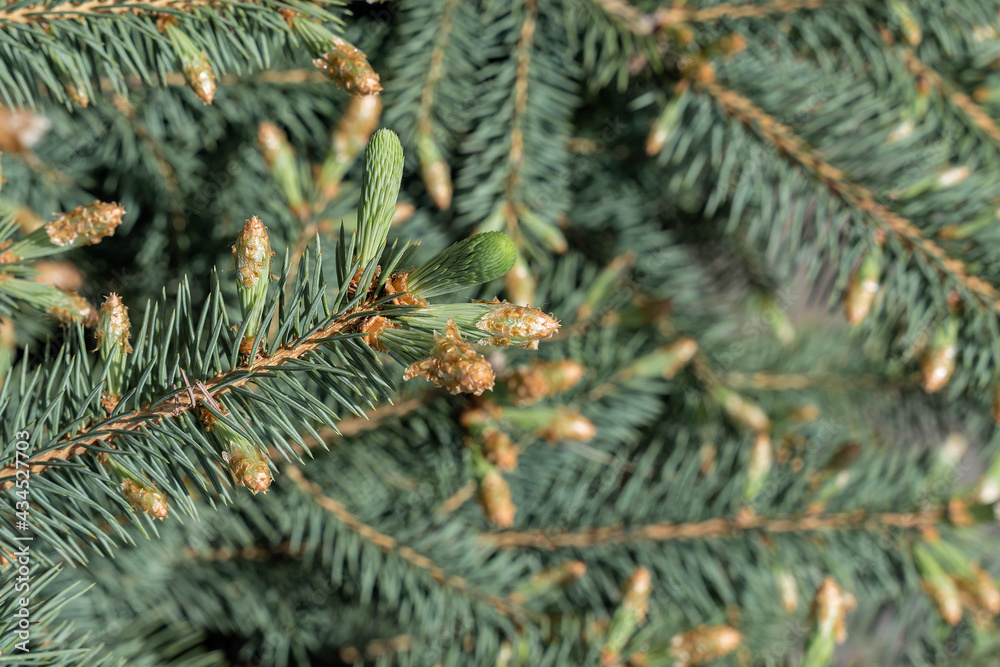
column 757, row 243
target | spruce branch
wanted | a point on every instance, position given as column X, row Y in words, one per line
column 29, row 13
column 644, row 24
column 176, row 403
column 602, row 536
column 852, row 194
column 389, row 544
column 951, row 92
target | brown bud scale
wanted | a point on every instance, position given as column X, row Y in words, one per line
column 454, row 365
column 145, row 498
column 91, row 223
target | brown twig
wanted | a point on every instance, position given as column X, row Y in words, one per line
column 710, row 529
column 457, row 499
column 389, row 544
column 642, row 24
column 795, row 381
column 960, row 100
column 92, row 9
column 851, row 193
column 152, row 414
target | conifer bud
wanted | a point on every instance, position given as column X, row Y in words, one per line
column 113, row 332
column 740, row 409
column 359, row 120
column 434, row 170
column 568, row 425
column 901, row 131
column 630, row 615
column 498, row 448
column 520, row 283
column 665, row 362
column 704, row 644
column 76, row 91
column 454, row 365
column 70, row 308
column 540, row 379
column 988, row 488
column 968, row 576
column 247, row 464
column 64, row 275
column 67, row 307
column 494, row 493
column 552, row 423
column 280, row 158
column 379, row 190
column 938, row 364
column 8, row 347
column 829, row 614
column 194, row 62
column 342, row 62
column 475, row 260
column 21, row 130
column 507, row 324
column 761, row 458
column 984, row 588
column 789, row 591
column 952, row 176
column 145, row 498
column 668, row 120
column 252, row 252
column 938, row 585
column 84, row 225
column 862, row 288
column 549, row 580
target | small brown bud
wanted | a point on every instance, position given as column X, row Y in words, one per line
column 540, row 379
column 114, row 327
column 704, row 644
column 64, row 275
column 789, row 591
column 347, row 66
column 830, row 609
column 498, row 448
column 21, row 130
column 937, row 365
column 508, row 324
column 200, row 77
column 454, row 365
column 71, row 308
column 249, row 468
column 495, row 498
column 145, row 498
column 568, row 424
